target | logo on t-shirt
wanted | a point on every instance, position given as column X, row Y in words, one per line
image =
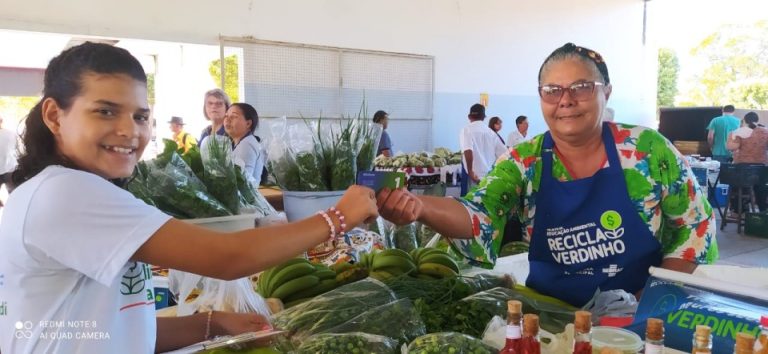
column 3, row 308
column 134, row 278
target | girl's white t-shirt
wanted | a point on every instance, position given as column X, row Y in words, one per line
column 67, row 284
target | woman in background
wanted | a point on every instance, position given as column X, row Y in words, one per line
column 749, row 145
column 240, row 122
column 495, row 125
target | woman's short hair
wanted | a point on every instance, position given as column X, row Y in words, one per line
column 218, row 93
column 493, row 122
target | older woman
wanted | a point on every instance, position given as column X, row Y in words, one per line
column 602, row 201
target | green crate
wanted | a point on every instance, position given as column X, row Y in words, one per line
column 756, row 225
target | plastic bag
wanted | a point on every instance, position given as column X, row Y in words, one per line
column 405, row 237
column 472, row 314
column 613, row 303
column 355, row 342
column 495, row 334
column 554, row 314
column 398, row 320
column 333, row 308
column 176, row 190
column 367, row 135
column 219, row 172
column 215, row 295
column 449, row 342
column 138, row 184
column 385, row 229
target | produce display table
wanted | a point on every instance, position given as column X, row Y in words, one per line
column 274, row 196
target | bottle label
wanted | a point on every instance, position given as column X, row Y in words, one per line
column 654, row 349
column 514, row 332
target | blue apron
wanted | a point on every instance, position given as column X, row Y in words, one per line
column 588, row 234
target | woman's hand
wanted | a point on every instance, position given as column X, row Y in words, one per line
column 399, row 206
column 232, row 324
column 358, row 205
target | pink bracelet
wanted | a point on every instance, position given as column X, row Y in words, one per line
column 330, row 224
column 342, row 223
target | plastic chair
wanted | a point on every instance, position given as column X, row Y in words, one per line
column 741, row 178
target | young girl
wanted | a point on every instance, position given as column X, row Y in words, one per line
column 240, row 122
column 74, row 247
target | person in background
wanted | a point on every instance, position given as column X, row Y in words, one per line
column 751, row 148
column 601, row 202
column 480, row 146
column 495, row 125
column 8, row 140
column 518, row 135
column 240, row 122
column 76, row 246
column 385, row 143
column 215, row 105
column 183, row 139
column 719, row 129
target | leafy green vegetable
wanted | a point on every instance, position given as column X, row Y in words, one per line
column 348, row 343
column 219, row 173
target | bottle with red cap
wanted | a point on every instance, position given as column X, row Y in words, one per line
column 761, row 344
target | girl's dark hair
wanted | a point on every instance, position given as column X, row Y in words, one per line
column 492, row 122
column 520, row 119
column 63, row 82
column 586, row 55
column 249, row 113
column 751, row 119
column 379, row 116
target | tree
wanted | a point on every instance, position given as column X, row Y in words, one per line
column 738, row 70
column 667, row 79
column 231, row 70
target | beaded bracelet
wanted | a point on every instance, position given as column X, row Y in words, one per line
column 342, row 223
column 208, row 326
column 330, row 224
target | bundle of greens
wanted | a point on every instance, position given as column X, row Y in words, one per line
column 398, row 320
column 333, row 308
column 177, row 191
column 323, row 155
column 348, row 343
column 449, row 342
column 138, row 184
column 219, row 172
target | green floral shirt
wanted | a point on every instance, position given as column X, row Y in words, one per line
column 659, row 180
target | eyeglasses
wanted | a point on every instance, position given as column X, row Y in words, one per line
column 580, row 91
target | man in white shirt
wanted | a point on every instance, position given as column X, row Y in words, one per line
column 479, row 145
column 8, row 141
column 517, row 136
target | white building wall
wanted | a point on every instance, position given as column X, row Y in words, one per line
column 493, row 46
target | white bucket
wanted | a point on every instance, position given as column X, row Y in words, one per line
column 300, row 205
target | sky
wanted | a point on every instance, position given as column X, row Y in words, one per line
column 681, row 25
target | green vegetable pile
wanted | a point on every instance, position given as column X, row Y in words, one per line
column 449, row 342
column 348, row 343
column 398, row 320
column 182, row 187
column 441, row 157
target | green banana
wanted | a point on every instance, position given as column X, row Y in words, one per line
column 394, row 252
column 427, row 251
column 325, row 274
column 437, row 270
column 440, row 258
column 296, row 302
column 340, row 267
column 393, row 261
column 295, row 285
column 287, row 274
column 323, row 287
column 396, row 271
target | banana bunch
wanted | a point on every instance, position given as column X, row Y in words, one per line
column 433, row 263
column 295, row 280
column 348, row 273
column 387, row 264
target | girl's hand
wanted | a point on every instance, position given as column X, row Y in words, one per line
column 358, row 205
